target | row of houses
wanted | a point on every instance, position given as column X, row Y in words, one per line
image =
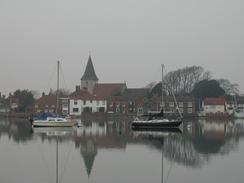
column 90, row 96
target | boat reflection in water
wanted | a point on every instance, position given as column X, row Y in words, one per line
column 95, row 144
column 158, row 138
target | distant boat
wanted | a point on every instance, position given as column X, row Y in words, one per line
column 157, row 120
column 51, row 120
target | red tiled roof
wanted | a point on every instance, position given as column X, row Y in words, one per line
column 82, row 94
column 102, row 91
column 135, row 93
column 214, row 101
column 47, row 100
column 105, row 90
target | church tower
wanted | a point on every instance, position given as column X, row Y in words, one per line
column 89, row 79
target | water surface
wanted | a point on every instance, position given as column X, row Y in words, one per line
column 109, row 151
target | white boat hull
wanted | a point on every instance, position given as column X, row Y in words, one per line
column 53, row 124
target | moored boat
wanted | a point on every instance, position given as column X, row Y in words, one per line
column 157, row 120
column 52, row 120
column 156, row 123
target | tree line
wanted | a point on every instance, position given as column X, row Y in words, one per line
column 194, row 81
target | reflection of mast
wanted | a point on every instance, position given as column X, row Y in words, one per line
column 162, row 176
column 57, row 160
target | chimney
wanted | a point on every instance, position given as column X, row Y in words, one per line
column 43, row 94
column 77, row 88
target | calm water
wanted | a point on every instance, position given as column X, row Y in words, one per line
column 109, row 152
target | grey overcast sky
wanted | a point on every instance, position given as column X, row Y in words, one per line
column 128, row 40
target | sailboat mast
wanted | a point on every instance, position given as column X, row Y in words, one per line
column 162, row 85
column 57, row 88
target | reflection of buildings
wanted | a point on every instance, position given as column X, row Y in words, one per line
column 213, row 130
column 194, row 147
column 212, row 137
column 199, row 142
column 103, row 135
column 18, row 130
column 92, row 136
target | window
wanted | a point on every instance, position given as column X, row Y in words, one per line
column 123, row 109
column 163, row 104
column 51, row 110
column 181, row 104
column 140, row 110
column 53, row 106
column 84, row 102
column 46, row 106
column 189, row 110
column 65, row 100
column 104, row 102
column 75, row 109
column 181, row 110
column 65, row 105
column 117, row 108
column 171, row 104
column 98, row 102
column 75, row 102
column 189, row 104
column 90, row 101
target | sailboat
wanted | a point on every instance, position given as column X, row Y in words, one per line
column 156, row 120
column 53, row 120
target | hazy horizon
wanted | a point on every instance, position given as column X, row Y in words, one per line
column 128, row 40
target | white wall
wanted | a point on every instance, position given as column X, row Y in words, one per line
column 214, row 108
column 94, row 104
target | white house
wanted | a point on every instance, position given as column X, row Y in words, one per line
column 86, row 103
column 214, row 106
column 92, row 96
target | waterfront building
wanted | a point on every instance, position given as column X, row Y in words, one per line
column 186, row 105
column 131, row 101
column 48, row 104
column 214, row 107
column 92, row 96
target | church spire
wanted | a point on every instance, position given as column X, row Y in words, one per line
column 90, row 71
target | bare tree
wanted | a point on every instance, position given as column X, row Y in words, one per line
column 182, row 81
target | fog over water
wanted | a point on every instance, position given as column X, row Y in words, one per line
column 128, row 40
